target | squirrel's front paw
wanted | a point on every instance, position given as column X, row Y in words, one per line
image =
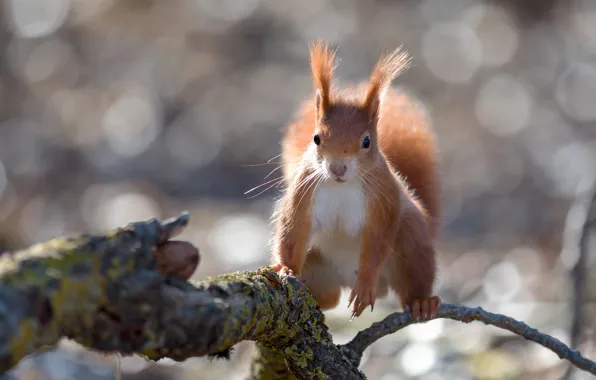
column 363, row 295
column 281, row 269
column 425, row 308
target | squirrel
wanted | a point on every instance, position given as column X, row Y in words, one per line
column 360, row 205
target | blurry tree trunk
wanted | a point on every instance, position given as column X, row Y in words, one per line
column 11, row 89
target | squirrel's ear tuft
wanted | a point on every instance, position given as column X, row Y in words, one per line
column 385, row 71
column 322, row 65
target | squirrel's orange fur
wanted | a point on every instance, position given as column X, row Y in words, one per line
column 361, row 203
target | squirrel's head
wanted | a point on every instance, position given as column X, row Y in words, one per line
column 345, row 136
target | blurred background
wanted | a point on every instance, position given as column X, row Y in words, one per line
column 116, row 111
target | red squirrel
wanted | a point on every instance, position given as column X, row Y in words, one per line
column 361, row 198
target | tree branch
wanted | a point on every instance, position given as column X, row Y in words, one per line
column 398, row 321
column 125, row 291
column 106, row 292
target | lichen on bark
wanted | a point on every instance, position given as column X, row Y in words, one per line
column 269, row 364
column 105, row 291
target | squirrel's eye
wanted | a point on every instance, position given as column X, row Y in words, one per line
column 317, row 140
column 366, row 142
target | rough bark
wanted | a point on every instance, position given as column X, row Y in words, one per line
column 106, row 292
column 126, row 291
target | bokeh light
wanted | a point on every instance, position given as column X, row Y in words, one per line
column 497, row 33
column 418, row 358
column 37, row 18
column 503, row 105
column 452, row 52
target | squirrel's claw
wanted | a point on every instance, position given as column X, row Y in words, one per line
column 423, row 309
column 282, row 270
column 362, row 295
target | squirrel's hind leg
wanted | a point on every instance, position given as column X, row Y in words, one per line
column 321, row 279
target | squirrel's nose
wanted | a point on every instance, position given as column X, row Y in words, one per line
column 339, row 169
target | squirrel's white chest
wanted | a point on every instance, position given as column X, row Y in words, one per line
column 338, row 217
column 339, row 209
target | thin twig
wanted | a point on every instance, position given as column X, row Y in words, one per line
column 398, row 321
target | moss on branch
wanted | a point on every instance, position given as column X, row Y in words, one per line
column 108, row 292
column 126, row 291
column 77, row 286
